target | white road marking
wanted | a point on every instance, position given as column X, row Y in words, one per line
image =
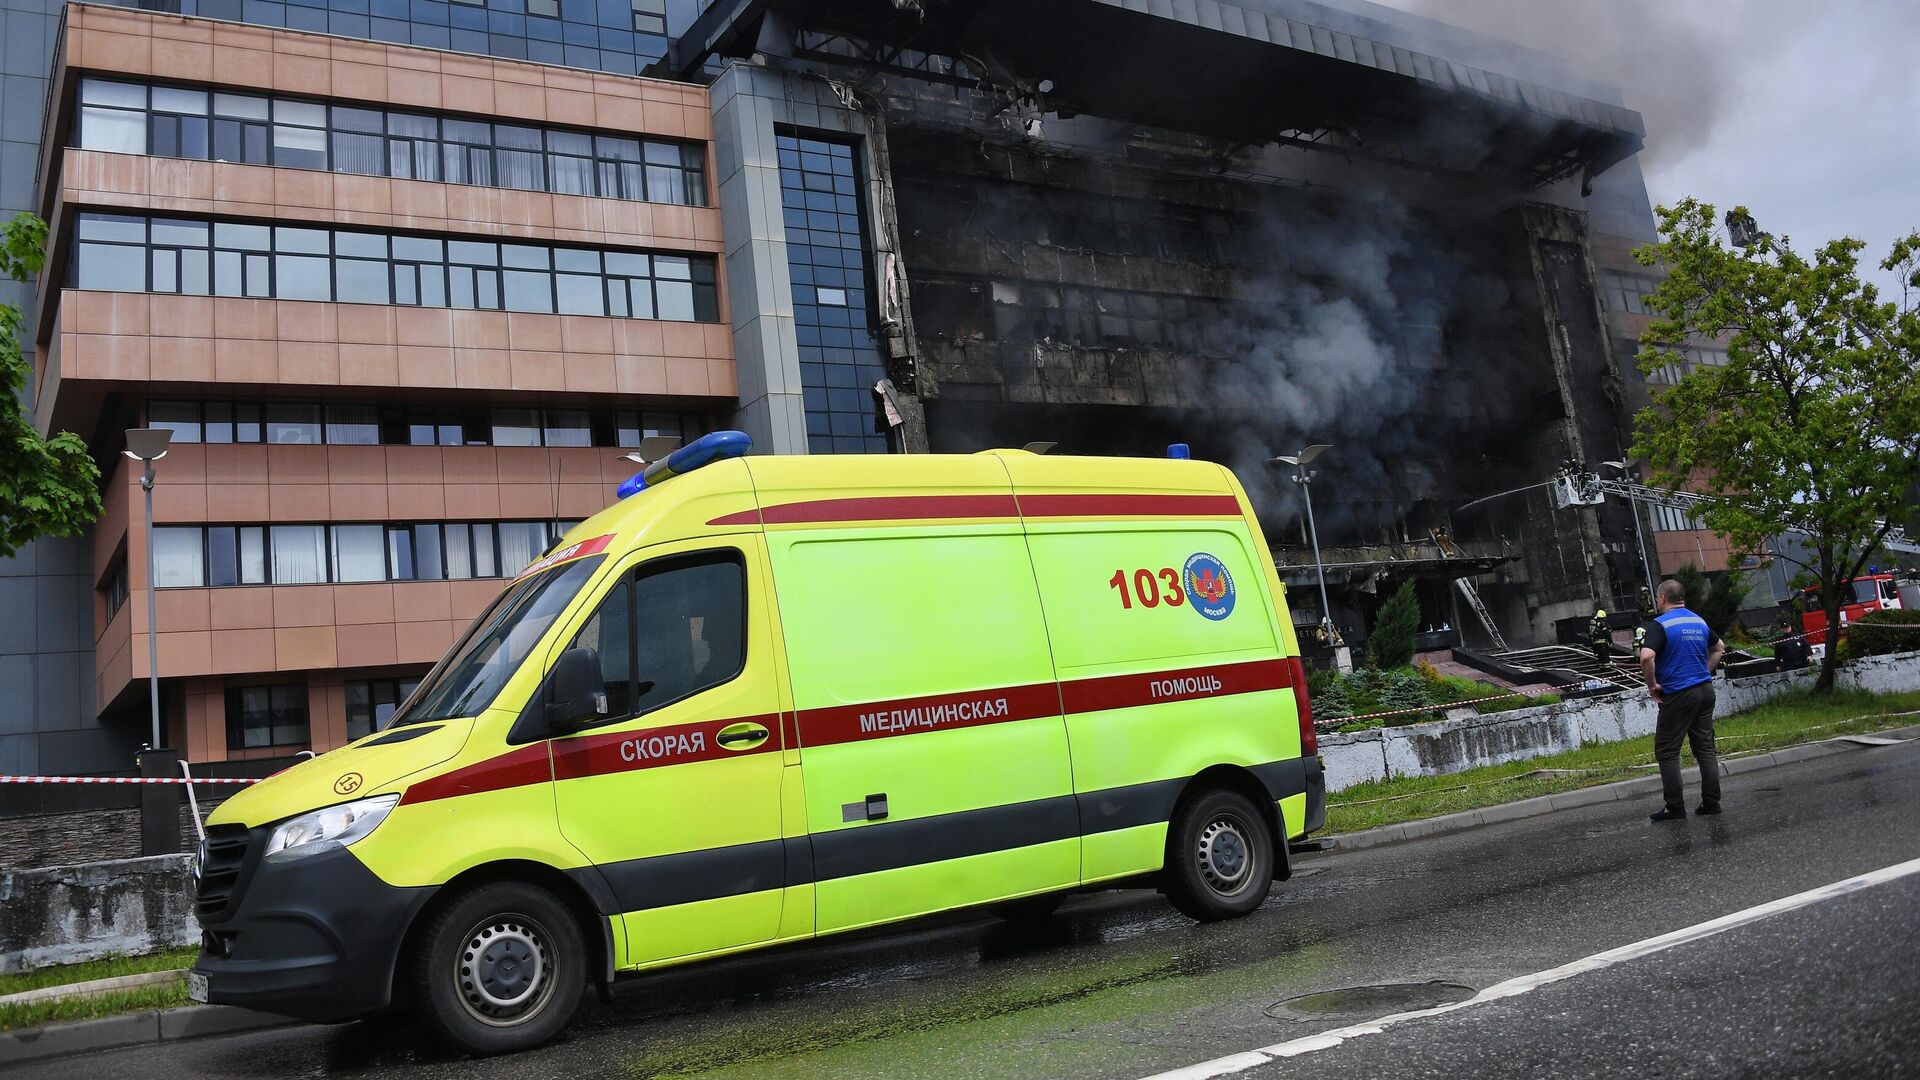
column 1514, row 987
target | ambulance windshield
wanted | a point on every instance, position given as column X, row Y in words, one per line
column 465, row 681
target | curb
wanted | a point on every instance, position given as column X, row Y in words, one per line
column 1590, row 796
column 95, row 987
column 134, row 1029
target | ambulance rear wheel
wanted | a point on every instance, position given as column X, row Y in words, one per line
column 500, row 968
column 1219, row 857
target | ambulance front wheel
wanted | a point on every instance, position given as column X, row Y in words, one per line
column 1219, row 856
column 500, row 968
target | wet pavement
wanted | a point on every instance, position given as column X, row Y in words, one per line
column 1119, row 985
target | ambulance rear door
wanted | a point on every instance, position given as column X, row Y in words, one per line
column 1167, row 649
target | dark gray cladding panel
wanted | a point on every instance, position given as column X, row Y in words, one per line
column 1118, row 306
column 1243, row 74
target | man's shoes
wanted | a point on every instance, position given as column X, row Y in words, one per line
column 1707, row 809
column 1668, row 815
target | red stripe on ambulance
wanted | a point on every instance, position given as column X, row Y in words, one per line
column 1117, row 505
column 1179, row 684
column 936, row 712
column 580, row 550
column 651, row 748
column 950, row 507
column 516, row 768
column 623, row 751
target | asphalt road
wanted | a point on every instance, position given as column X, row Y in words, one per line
column 1119, row 985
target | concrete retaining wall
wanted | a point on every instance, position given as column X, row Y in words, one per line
column 1448, row 746
column 66, row 914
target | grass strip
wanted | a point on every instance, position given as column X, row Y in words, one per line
column 139, row 999
column 1787, row 721
column 107, row 967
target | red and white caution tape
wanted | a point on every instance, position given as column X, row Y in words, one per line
column 127, row 780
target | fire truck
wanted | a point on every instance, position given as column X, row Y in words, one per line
column 1874, row 592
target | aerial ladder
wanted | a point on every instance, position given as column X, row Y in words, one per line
column 1897, row 538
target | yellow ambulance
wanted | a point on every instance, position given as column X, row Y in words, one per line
column 762, row 700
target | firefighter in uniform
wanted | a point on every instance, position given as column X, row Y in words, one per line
column 1601, row 637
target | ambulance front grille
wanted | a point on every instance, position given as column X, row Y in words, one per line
column 221, row 856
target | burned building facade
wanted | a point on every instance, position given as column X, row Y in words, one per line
column 1246, row 228
column 401, row 278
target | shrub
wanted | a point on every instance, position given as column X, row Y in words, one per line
column 1402, row 690
column 1880, row 632
column 1391, row 643
column 1330, row 702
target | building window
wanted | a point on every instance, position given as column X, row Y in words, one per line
column 826, row 260
column 1628, row 292
column 241, row 131
column 195, row 122
column 347, row 424
column 193, row 556
column 264, row 716
column 179, row 557
column 650, row 16
column 113, row 116
column 371, row 703
column 118, row 587
column 299, row 554
column 123, row 253
column 1672, row 519
column 359, row 553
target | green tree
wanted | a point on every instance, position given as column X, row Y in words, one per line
column 1813, row 423
column 1391, row 643
column 1718, row 602
column 48, row 487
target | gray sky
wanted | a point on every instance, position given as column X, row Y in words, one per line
column 1807, row 112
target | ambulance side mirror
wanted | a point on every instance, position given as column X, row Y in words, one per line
column 576, row 691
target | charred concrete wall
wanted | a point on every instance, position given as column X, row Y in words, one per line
column 1445, row 336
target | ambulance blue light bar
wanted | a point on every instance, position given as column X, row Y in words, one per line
column 1179, row 451
column 702, row 451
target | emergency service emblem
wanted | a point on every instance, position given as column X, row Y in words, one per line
column 1209, row 586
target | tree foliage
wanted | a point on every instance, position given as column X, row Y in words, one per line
column 48, row 487
column 1813, row 423
column 1391, row 643
column 1717, row 602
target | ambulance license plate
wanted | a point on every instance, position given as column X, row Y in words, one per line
column 197, row 986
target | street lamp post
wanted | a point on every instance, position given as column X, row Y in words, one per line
column 1633, row 503
column 1342, row 659
column 148, row 445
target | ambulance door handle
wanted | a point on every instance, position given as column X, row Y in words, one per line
column 743, row 736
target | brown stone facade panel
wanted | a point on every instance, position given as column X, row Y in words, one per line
column 1706, row 550
column 264, row 629
column 95, row 179
column 174, row 344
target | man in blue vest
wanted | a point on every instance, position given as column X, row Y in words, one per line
column 1678, row 658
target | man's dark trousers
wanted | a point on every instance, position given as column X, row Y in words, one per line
column 1687, row 717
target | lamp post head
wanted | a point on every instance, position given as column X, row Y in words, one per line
column 1304, row 457
column 147, row 444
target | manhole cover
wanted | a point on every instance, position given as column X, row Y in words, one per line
column 1370, row 1001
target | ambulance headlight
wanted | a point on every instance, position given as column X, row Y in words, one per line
column 328, row 829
